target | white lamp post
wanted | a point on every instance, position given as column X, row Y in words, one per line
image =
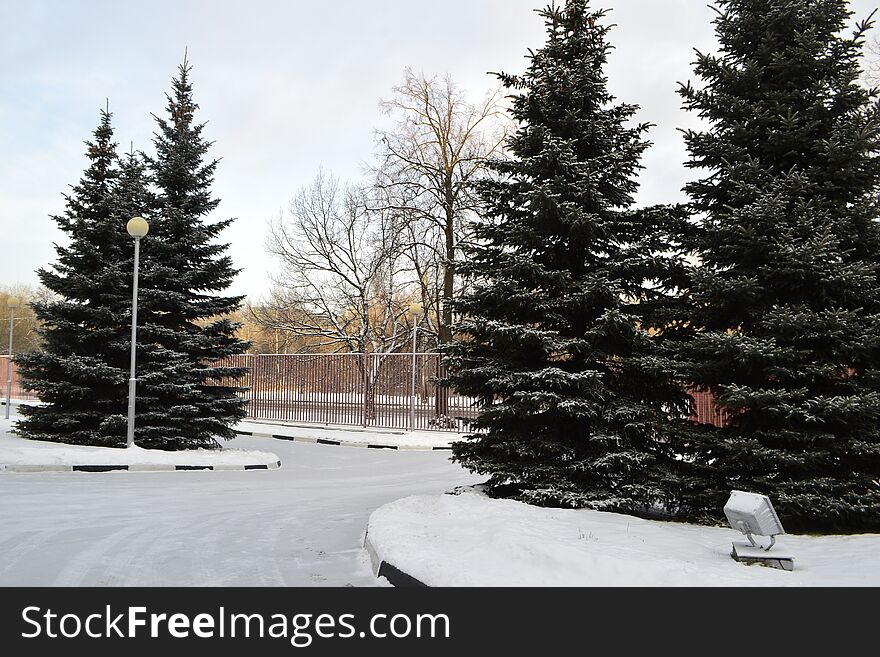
column 12, row 304
column 415, row 310
column 137, row 227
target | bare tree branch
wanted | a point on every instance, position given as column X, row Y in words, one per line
column 342, row 278
column 429, row 161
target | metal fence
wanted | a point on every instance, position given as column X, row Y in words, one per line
column 18, row 392
column 373, row 390
column 393, row 391
column 366, row 390
column 706, row 411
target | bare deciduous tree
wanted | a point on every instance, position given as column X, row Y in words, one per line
column 265, row 339
column 26, row 335
column 871, row 62
column 429, row 160
column 340, row 283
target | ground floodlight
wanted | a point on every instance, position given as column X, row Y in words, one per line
column 753, row 514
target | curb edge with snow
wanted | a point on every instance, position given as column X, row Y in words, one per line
column 134, row 467
column 381, row 568
column 343, row 443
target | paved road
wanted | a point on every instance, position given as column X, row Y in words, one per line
column 301, row 525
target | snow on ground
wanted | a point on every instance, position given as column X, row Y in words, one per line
column 301, row 525
column 17, row 451
column 360, row 436
column 367, row 436
column 471, row 540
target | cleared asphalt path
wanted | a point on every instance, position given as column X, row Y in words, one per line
column 302, row 525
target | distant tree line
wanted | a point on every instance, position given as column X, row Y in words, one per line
column 25, row 337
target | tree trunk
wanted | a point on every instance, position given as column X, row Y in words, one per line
column 444, row 330
column 368, row 379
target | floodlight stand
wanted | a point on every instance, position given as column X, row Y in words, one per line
column 753, row 514
column 755, row 545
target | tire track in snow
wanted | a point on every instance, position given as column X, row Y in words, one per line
column 10, row 557
column 136, row 565
column 93, row 557
column 268, row 569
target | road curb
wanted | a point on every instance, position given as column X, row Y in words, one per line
column 135, row 467
column 388, row 570
column 345, row 443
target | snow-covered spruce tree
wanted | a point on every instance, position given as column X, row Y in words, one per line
column 185, row 328
column 557, row 338
column 784, row 303
column 81, row 373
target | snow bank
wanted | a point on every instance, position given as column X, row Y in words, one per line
column 353, row 436
column 16, row 452
column 471, row 540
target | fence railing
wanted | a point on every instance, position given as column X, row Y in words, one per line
column 18, row 392
column 706, row 411
column 389, row 391
column 392, row 391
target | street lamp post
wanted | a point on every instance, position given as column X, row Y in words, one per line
column 11, row 303
column 137, row 227
column 415, row 310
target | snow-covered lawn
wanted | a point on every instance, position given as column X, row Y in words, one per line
column 471, row 540
column 301, row 525
column 304, row 525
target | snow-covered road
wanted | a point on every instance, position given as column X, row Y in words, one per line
column 302, row 525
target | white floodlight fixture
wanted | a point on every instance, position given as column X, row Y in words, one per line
column 753, row 514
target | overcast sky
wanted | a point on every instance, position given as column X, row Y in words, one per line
column 286, row 86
